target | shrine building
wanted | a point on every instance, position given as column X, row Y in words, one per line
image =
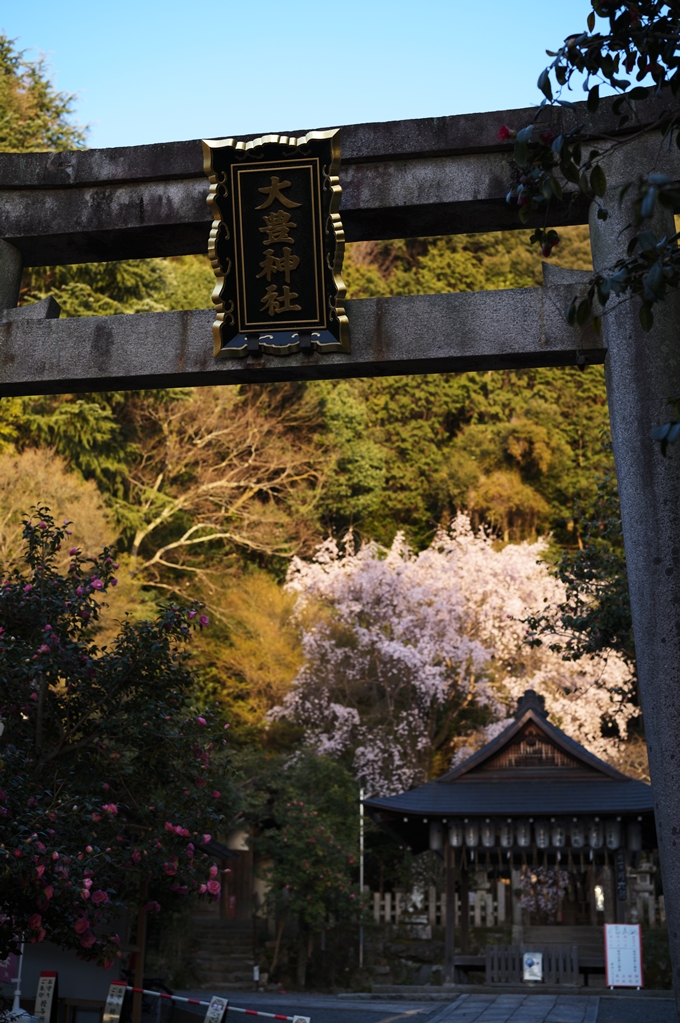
column 538, row 836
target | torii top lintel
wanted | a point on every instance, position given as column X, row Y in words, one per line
column 399, row 179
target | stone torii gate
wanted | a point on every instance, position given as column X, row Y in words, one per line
column 399, row 179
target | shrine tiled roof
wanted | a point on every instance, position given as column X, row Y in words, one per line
column 531, row 769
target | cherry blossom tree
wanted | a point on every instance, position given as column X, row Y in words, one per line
column 413, row 659
column 108, row 769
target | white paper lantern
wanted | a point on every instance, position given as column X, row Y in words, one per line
column 595, row 834
column 542, row 834
column 578, row 834
column 612, row 834
column 471, row 834
column 506, row 835
column 634, row 836
column 523, row 834
column 559, row 835
column 488, row 832
column 456, row 835
column 436, row 836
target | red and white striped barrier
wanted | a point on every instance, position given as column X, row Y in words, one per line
column 228, row 1007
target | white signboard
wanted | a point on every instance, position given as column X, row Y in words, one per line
column 45, row 996
column 216, row 1010
column 533, row 966
column 114, row 1001
column 623, row 955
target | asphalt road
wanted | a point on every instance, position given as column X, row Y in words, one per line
column 329, row 1009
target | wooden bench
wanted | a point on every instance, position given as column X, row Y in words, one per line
column 503, row 964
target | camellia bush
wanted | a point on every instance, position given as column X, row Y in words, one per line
column 108, row 771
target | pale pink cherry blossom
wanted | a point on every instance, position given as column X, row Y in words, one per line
column 392, row 639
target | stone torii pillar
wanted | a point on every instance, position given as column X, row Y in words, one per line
column 642, row 372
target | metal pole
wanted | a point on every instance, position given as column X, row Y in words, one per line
column 361, row 876
column 16, row 1005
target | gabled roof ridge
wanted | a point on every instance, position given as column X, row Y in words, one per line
column 552, row 732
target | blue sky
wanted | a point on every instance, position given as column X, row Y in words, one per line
column 159, row 70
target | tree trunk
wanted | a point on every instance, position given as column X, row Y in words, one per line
column 642, row 372
column 301, row 972
column 139, row 955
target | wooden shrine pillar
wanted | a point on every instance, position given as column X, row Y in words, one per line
column 464, row 905
column 450, row 940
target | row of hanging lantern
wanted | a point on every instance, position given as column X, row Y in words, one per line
column 546, row 832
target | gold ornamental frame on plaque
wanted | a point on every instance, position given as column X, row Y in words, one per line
column 277, row 245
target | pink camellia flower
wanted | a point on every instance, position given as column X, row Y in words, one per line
column 113, row 582
column 203, row 621
column 192, row 614
column 505, row 133
column 169, row 868
column 181, row 889
column 38, row 935
column 35, row 921
column 214, row 887
column 202, row 721
column 202, row 890
column 87, row 883
column 110, row 808
column 99, row 898
column 73, row 550
column 81, row 925
column 216, row 794
column 84, row 893
column 88, row 939
column 115, row 938
column 199, row 783
column 88, row 849
column 213, row 871
column 96, row 816
column 79, row 591
column 206, row 839
column 55, row 855
column 97, row 584
column 48, row 892
column 136, row 856
column 39, row 871
column 27, row 588
column 152, row 907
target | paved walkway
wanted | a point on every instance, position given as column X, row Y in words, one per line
column 529, row 1008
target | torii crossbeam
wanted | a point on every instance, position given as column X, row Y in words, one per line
column 399, row 179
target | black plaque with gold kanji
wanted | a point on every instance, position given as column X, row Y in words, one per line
column 277, row 244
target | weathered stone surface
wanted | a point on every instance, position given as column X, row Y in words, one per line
column 11, row 266
column 642, row 371
column 417, row 334
column 400, row 179
column 134, row 220
column 368, row 142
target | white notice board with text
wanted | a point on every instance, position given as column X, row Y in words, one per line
column 623, row 955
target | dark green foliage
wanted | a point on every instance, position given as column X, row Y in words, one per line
column 108, row 770
column 33, row 116
column 518, row 450
column 596, row 613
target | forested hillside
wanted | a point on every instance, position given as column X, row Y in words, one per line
column 211, row 493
